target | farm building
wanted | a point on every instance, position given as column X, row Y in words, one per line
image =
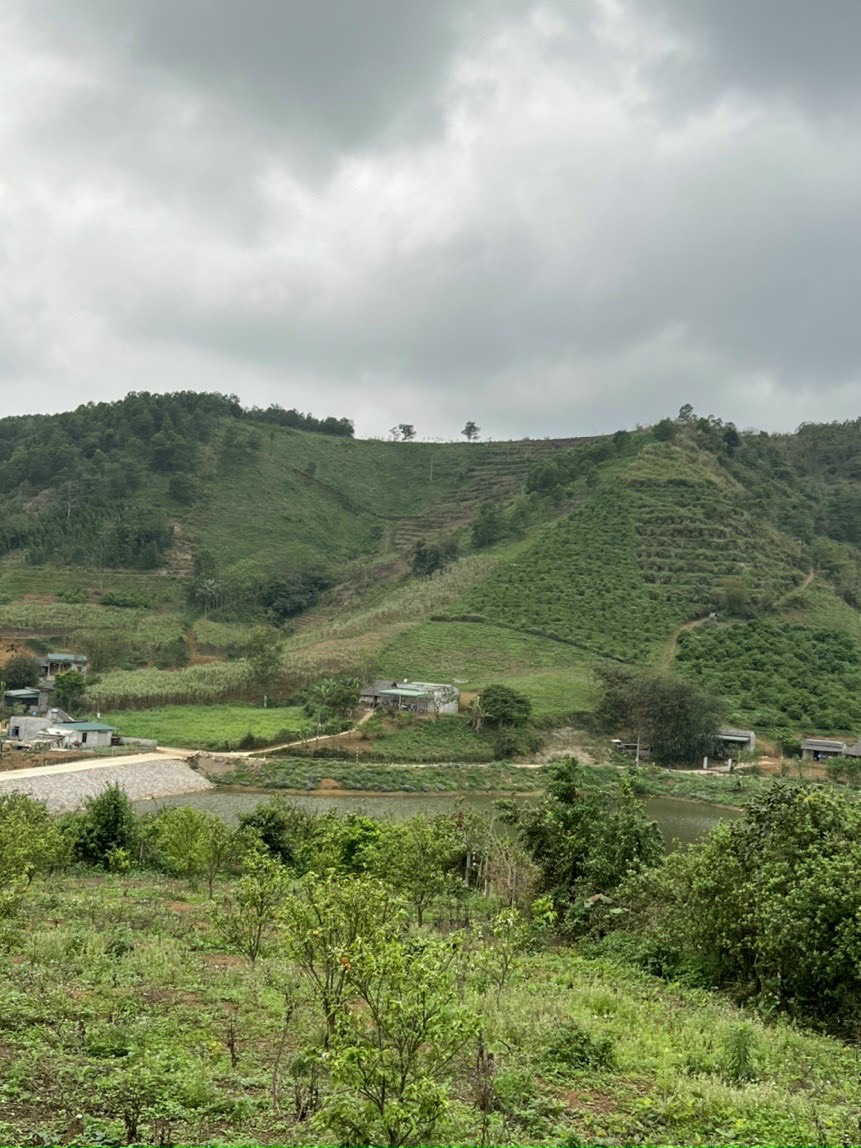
column 854, row 750
column 415, row 697
column 372, row 694
column 34, row 699
column 88, row 734
column 819, row 749
column 740, row 740
column 53, row 664
column 59, row 729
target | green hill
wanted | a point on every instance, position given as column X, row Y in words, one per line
column 156, row 532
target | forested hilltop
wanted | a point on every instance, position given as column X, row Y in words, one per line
column 163, row 532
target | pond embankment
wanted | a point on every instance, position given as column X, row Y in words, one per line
column 66, row 786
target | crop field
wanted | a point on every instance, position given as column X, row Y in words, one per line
column 554, row 675
column 474, row 652
column 227, row 638
column 145, row 689
column 208, row 727
column 777, row 676
column 18, row 579
column 646, row 552
column 124, row 1006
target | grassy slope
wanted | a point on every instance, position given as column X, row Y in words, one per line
column 99, row 964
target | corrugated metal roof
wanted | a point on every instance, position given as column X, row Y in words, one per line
column 64, row 658
column 87, row 726
column 822, row 743
column 403, row 693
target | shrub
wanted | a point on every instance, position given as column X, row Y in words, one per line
column 575, row 1047
column 107, row 829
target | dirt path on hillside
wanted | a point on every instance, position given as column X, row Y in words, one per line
column 672, row 644
column 799, row 589
column 669, row 650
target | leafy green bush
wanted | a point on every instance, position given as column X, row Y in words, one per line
column 575, row 1047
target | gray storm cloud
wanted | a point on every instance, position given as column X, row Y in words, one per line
column 551, row 218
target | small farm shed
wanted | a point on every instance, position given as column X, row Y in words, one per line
column 819, row 749
column 854, row 750
column 87, row 734
column 53, row 664
column 740, row 740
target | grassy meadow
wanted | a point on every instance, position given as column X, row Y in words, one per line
column 209, row 727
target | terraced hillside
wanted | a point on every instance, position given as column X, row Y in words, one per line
column 651, row 548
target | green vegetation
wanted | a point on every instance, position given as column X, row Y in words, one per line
column 310, row 980
column 451, row 777
column 212, row 727
column 678, row 720
column 571, row 552
column 649, row 549
column 766, row 906
column 778, row 676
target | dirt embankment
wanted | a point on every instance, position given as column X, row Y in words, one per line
column 12, row 759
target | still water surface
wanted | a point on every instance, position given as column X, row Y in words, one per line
column 679, row 820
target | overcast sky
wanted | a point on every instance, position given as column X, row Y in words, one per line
column 556, row 218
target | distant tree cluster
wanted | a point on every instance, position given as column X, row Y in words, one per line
column 566, row 467
column 90, row 485
column 296, row 420
column 677, row 719
column 247, row 590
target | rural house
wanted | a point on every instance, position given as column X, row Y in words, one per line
column 414, row 697
column 372, row 694
column 34, row 699
column 58, row 728
column 818, row 749
column 53, row 664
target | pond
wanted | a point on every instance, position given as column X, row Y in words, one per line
column 679, row 820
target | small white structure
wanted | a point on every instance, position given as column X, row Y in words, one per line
column 57, row 729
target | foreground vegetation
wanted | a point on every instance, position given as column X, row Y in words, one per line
column 318, row 980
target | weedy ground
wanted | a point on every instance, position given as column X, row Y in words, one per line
column 120, row 1002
